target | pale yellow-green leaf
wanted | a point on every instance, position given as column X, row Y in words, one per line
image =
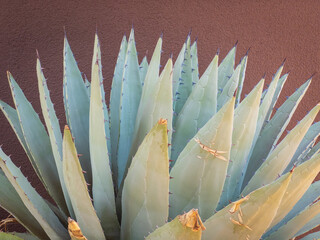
column 302, row 178
column 78, row 191
column 145, row 195
column 184, row 227
column 249, row 217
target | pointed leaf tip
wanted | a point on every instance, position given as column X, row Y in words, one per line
column 66, row 127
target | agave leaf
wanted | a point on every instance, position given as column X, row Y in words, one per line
column 305, row 145
column 265, row 108
column 312, row 236
column 280, row 157
column 200, row 170
column 11, row 202
column 314, row 150
column 145, row 195
column 302, row 178
column 226, row 67
column 310, row 195
column 270, row 101
column 77, row 105
column 96, row 59
column 38, row 143
column 178, row 68
column 242, row 75
column 159, row 106
column 313, row 223
column 115, row 97
column 9, row 236
column 202, row 103
column 245, row 119
column 243, row 219
column 289, row 230
column 149, row 86
column 78, row 191
column 229, row 88
column 75, row 231
column 32, row 200
column 184, row 87
column 130, row 99
column 143, row 69
column 13, row 118
column 55, row 135
column 184, row 227
column 151, row 79
column 272, row 131
column 102, row 188
column 276, row 95
column 194, row 63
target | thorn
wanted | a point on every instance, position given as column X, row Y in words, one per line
column 84, row 171
column 170, row 192
column 235, row 45
column 247, row 51
column 283, row 62
column 170, row 177
column 161, row 35
column 171, row 160
column 169, row 144
column 218, row 51
column 264, row 76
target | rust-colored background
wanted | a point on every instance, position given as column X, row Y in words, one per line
column 273, row 29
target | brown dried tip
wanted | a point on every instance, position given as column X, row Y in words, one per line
column 192, row 220
column 66, row 127
column 74, row 230
column 162, row 121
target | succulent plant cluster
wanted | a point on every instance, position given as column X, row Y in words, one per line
column 174, row 156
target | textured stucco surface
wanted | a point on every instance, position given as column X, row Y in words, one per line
column 273, row 29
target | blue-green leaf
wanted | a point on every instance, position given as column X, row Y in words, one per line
column 242, row 75
column 202, row 103
column 184, row 87
column 245, row 120
column 272, row 131
column 13, row 118
column 226, row 67
column 77, row 107
column 305, row 145
column 129, row 103
column 11, row 202
column 143, row 69
column 280, row 157
column 32, row 200
column 38, row 143
column 115, row 97
column 55, row 135
column 194, row 63
column 229, row 88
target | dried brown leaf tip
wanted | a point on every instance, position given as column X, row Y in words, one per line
column 215, row 153
column 163, row 121
column 74, row 230
column 192, row 220
column 236, row 208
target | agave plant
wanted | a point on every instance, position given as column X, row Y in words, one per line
column 174, row 156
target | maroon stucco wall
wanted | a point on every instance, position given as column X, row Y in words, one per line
column 273, row 29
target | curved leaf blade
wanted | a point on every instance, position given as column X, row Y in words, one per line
column 145, row 195
column 78, row 191
column 201, row 168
